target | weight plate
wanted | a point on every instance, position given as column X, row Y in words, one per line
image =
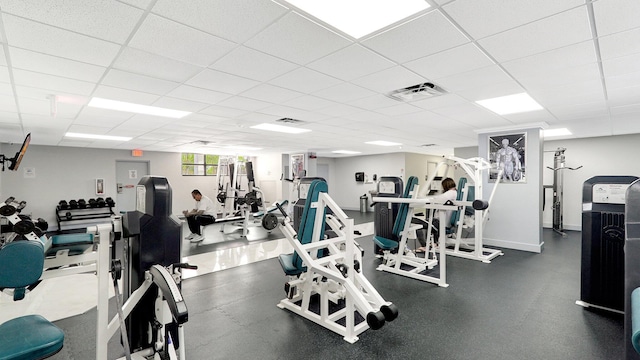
column 270, row 221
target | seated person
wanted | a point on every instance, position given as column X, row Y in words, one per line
column 202, row 215
column 449, row 193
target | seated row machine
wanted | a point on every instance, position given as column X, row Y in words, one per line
column 325, row 281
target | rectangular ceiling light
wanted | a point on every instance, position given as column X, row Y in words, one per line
column 280, row 128
column 383, row 143
column 97, row 137
column 136, row 108
column 511, row 104
column 556, row 132
column 346, row 152
column 358, row 18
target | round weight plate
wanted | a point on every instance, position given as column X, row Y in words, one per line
column 269, row 221
column 250, row 198
column 222, row 197
column 7, row 210
column 23, row 227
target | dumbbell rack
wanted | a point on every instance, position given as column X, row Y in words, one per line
column 81, row 217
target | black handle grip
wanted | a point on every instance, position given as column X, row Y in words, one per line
column 284, row 213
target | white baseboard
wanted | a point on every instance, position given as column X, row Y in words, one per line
column 513, row 245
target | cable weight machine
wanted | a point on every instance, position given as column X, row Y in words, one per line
column 559, row 166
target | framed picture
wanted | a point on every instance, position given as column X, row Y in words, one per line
column 99, row 186
column 297, row 166
column 507, row 154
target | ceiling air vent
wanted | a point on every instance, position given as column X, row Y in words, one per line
column 427, row 145
column 417, row 92
column 289, row 121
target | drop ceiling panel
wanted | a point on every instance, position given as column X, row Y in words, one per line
column 553, row 79
column 344, row 92
column 270, row 93
column 351, row 62
column 576, row 93
column 179, row 104
column 85, row 129
column 103, row 19
column 450, row 62
column 144, row 63
column 621, row 65
column 550, row 33
column 620, row 44
column 622, row 81
column 580, row 111
column 399, row 109
column 297, row 39
column 112, row 93
column 624, row 96
column 488, row 17
column 305, row 80
column 86, row 118
column 135, row 82
column 244, row 103
column 53, row 41
column 433, row 32
column 616, row 15
column 223, row 111
column 373, row 102
column 253, row 64
column 489, row 91
column 53, row 83
column 554, row 60
column 221, row 17
column 176, row 41
column 340, row 110
column 390, row 79
column 8, row 105
column 7, row 117
column 309, row 102
column 289, row 112
column 53, row 65
column 198, row 94
column 223, row 82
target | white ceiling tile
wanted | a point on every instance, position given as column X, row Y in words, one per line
column 365, row 117
column 555, row 78
column 344, row 92
column 289, row 112
column 616, row 15
column 488, row 90
column 622, row 81
column 554, row 32
column 144, row 63
column 624, row 96
column 309, row 102
column 432, row 31
column 3, row 57
column 198, row 94
column 86, row 129
column 112, row 93
column 103, row 19
column 223, row 111
column 253, row 64
column 93, row 117
column 223, row 82
column 569, row 94
column 351, row 62
column 5, row 88
column 141, row 4
column 7, row 105
column 176, row 41
column 622, row 65
column 537, row 116
column 135, row 82
column 474, row 79
column 305, row 80
column 45, row 122
column 55, row 84
column 446, row 100
column 179, row 104
column 389, row 80
column 625, row 124
column 399, row 109
column 8, row 117
column 620, row 44
column 53, row 41
column 4, row 75
column 53, row 65
column 243, row 103
column 450, row 62
column 221, row 17
column 297, row 39
column 340, row 110
column 270, row 93
column 373, row 102
column 488, row 17
column 555, row 60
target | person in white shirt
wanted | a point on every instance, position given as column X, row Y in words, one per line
column 202, row 215
column 449, row 193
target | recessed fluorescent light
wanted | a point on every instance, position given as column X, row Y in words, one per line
column 511, row 104
column 97, row 137
column 346, row 152
column 280, row 128
column 136, row 108
column 360, row 17
column 383, row 143
column 556, row 132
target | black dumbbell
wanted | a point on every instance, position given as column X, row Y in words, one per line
column 110, row 202
column 42, row 224
column 82, row 204
column 73, row 204
column 62, row 205
column 93, row 203
column 101, row 202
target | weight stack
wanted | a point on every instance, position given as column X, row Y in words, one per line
column 385, row 213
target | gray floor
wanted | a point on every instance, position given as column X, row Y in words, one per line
column 521, row 306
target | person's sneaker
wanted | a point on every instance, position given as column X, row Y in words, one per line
column 190, row 236
column 196, row 238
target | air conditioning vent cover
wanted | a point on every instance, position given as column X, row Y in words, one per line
column 417, row 92
column 289, row 121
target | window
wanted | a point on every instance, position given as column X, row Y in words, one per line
column 199, row 164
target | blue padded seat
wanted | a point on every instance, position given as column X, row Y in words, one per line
column 292, row 263
column 455, row 214
column 32, row 336
column 635, row 319
column 398, row 226
column 75, row 243
column 29, row 337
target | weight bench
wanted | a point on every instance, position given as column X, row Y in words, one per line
column 325, row 282
column 30, row 336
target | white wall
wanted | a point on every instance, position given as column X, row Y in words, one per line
column 267, row 170
column 612, row 155
column 343, row 187
column 66, row 173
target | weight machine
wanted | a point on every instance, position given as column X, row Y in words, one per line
column 325, row 280
column 468, row 247
column 558, row 167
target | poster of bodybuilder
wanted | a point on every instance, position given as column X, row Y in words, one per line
column 507, row 155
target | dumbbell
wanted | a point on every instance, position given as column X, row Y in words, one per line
column 82, row 204
column 73, row 204
column 93, row 203
column 42, row 224
column 110, row 202
column 101, row 202
column 63, row 205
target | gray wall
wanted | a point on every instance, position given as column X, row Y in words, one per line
column 515, row 220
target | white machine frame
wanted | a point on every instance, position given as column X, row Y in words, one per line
column 470, row 248
column 352, row 286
